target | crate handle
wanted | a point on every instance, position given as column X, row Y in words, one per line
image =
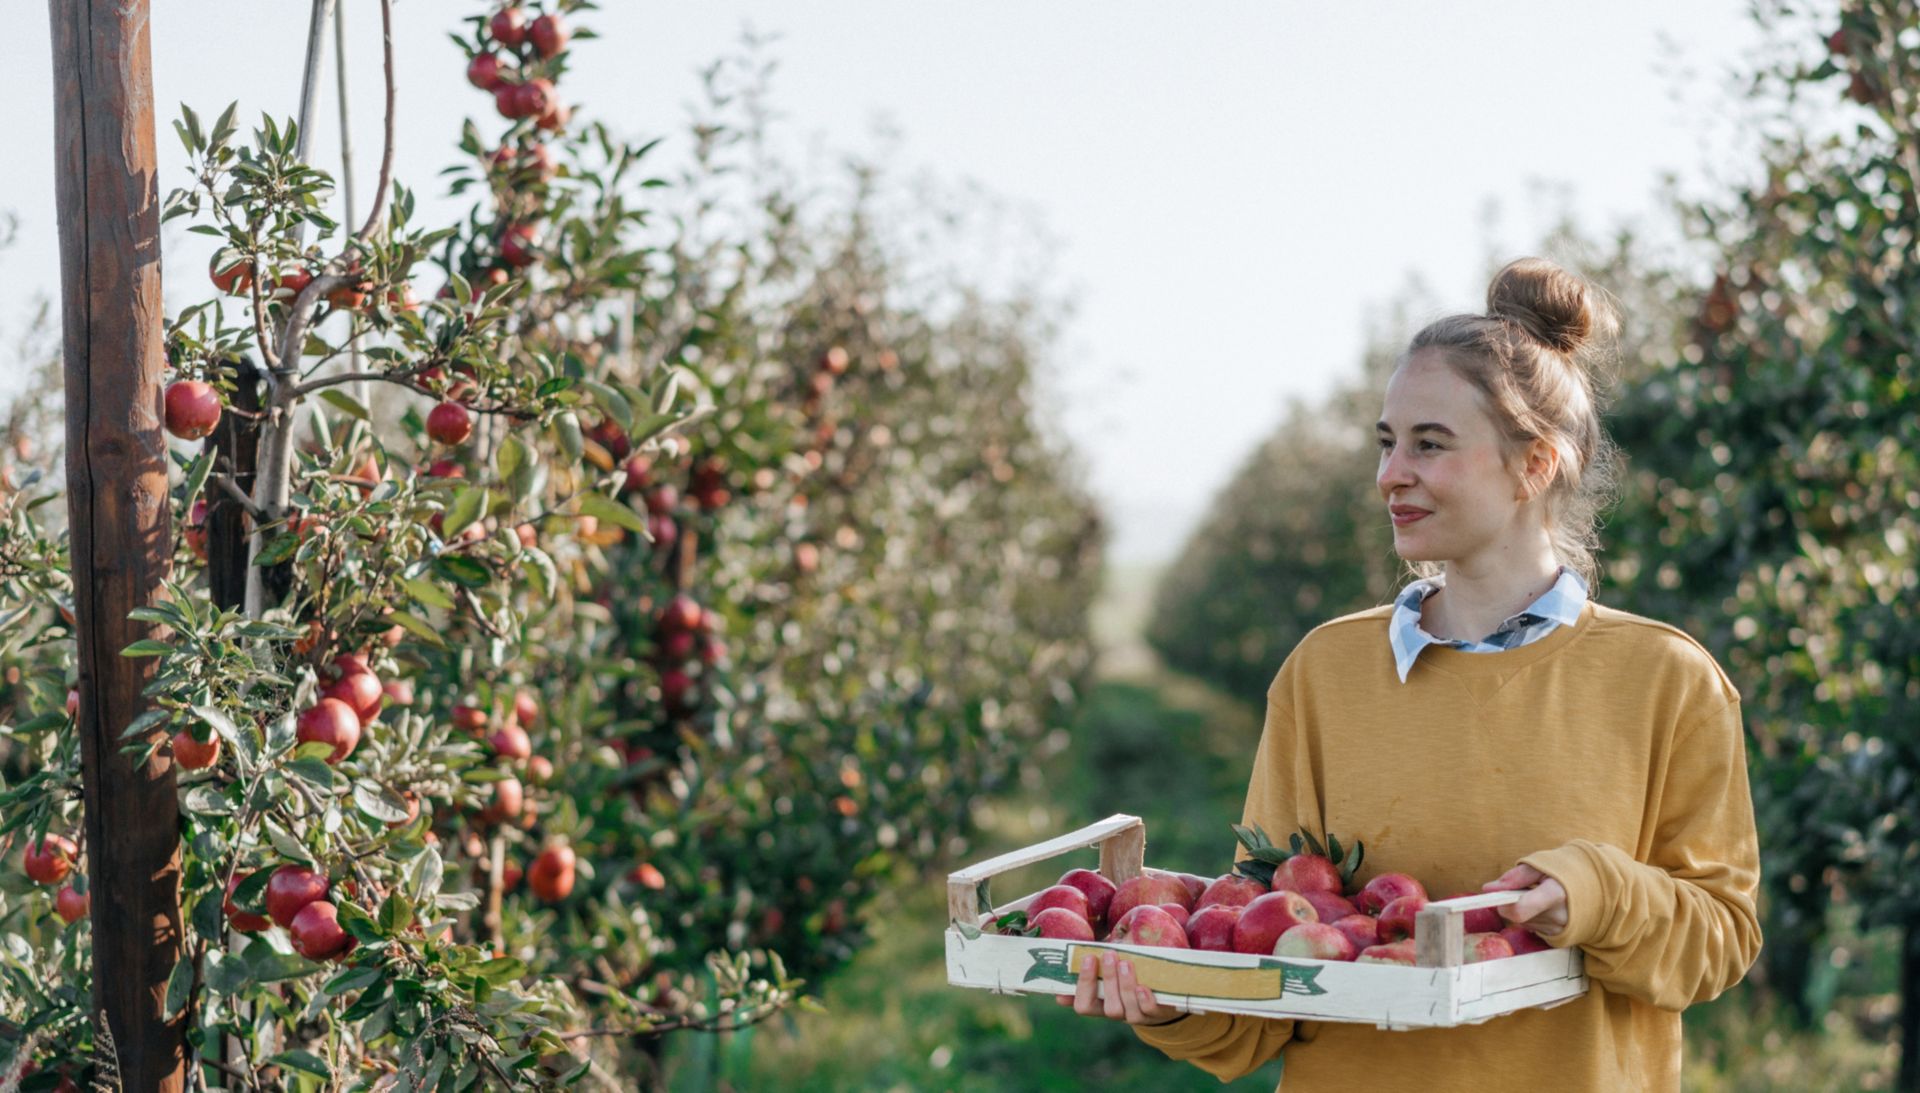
column 1439, row 928
column 1123, row 848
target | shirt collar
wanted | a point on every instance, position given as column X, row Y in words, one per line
column 1560, row 604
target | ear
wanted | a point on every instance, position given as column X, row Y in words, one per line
column 1540, row 463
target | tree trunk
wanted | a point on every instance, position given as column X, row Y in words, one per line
column 108, row 212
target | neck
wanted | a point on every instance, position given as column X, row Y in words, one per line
column 1480, row 594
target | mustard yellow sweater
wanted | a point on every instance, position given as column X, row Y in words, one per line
column 1609, row 755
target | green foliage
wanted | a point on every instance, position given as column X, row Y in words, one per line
column 762, row 413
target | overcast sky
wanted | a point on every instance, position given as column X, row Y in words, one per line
column 1228, row 189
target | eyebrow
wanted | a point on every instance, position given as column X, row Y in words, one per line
column 1423, row 427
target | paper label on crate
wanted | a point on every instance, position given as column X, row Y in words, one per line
column 1271, row 979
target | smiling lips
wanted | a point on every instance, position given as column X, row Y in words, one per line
column 1406, row 514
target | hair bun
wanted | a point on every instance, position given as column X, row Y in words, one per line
column 1555, row 306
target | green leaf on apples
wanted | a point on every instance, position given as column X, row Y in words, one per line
column 277, row 551
column 305, row 1062
column 179, row 987
column 1351, row 865
column 271, row 966
column 1333, row 848
column 396, row 914
column 1297, row 843
column 468, row 505
column 1258, row 870
column 602, row 507
column 967, row 929
column 250, row 894
column 1313, row 844
column 345, row 403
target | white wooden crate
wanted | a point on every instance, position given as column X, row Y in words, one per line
column 1443, row 991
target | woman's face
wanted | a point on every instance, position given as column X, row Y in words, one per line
column 1448, row 490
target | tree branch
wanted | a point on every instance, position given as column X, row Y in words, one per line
column 386, row 153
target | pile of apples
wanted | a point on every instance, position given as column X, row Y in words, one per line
column 1308, row 909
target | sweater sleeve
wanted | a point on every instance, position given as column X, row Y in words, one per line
column 1680, row 927
column 1230, row 1046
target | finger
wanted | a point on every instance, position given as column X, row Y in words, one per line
column 1116, row 1008
column 1083, row 991
column 1520, row 876
column 1129, row 992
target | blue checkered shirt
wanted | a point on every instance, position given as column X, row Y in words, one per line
column 1561, row 604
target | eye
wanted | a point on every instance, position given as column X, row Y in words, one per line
column 1385, row 443
column 1429, row 444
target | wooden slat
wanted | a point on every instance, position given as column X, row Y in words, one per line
column 1052, row 848
column 1439, row 928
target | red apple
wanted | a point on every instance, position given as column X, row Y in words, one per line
column 361, row 691
column 1149, row 924
column 517, row 246
column 505, row 802
column 398, row 691
column 470, row 718
column 292, row 887
column 1177, row 910
column 1307, row 873
column 1061, row 923
column 508, row 26
column 1145, row 889
column 1362, row 930
column 1397, row 918
column 1329, row 905
column 50, row 860
column 1265, row 919
column 1196, row 886
column 1486, row 946
column 526, row 708
column 511, row 742
column 1316, row 941
column 662, row 500
column 506, row 99
column 192, row 409
column 1063, row 896
column 1098, row 889
column 483, row 71
column 234, row 280
column 551, row 876
column 548, row 34
column 316, row 932
column 540, row 768
column 331, row 722
column 1232, row 889
column 70, row 905
column 534, row 98
column 1397, row 952
column 191, row 754
column 1386, row 888
column 240, row 920
column 683, row 612
column 1211, row 927
column 449, row 423
column 1522, row 940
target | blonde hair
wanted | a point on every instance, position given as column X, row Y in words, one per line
column 1532, row 358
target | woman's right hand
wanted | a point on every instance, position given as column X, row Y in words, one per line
column 1125, row 999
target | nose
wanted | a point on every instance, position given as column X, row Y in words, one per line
column 1395, row 472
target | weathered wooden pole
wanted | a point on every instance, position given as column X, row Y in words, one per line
column 109, row 216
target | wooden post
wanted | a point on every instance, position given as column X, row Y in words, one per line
column 108, row 204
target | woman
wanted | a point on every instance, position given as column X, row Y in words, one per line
column 1495, row 722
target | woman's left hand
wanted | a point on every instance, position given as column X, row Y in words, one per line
column 1543, row 907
